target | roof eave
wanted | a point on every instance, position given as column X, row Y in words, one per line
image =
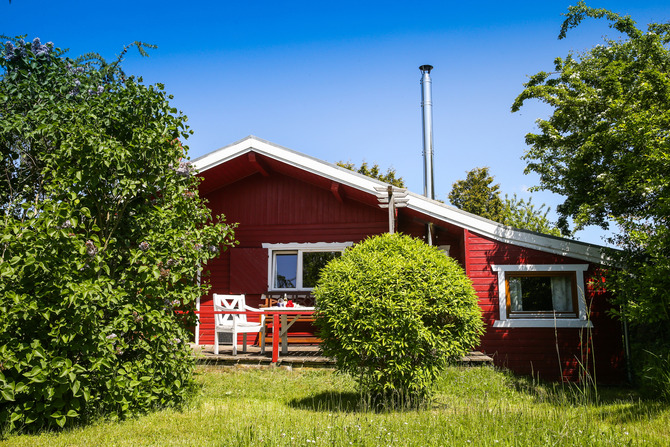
column 431, row 208
column 290, row 157
column 502, row 233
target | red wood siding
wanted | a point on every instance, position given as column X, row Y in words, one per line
column 248, row 270
column 409, row 224
column 549, row 353
column 277, row 209
column 278, row 206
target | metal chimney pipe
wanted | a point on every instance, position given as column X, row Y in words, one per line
column 427, row 115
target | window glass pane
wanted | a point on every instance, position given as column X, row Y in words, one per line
column 516, row 298
column 286, row 270
column 535, row 293
column 312, row 263
column 540, row 293
column 561, row 291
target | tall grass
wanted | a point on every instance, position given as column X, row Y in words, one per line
column 471, row 406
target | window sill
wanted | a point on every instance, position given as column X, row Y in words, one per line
column 543, row 322
column 290, row 290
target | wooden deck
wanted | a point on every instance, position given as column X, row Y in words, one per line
column 299, row 356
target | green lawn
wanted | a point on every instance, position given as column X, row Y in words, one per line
column 472, row 406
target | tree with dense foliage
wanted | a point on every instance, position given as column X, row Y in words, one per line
column 606, row 148
column 478, row 195
column 375, row 172
column 392, row 311
column 102, row 238
column 521, row 213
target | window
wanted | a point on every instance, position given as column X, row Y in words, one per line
column 538, row 293
column 298, row 266
column 541, row 295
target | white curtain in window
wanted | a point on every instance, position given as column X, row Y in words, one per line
column 515, row 295
column 561, row 293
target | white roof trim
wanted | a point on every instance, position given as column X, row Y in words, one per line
column 288, row 156
column 437, row 210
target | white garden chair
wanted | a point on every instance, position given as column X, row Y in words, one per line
column 234, row 323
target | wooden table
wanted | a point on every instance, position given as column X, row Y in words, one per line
column 280, row 319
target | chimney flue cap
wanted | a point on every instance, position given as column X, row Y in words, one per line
column 426, row 68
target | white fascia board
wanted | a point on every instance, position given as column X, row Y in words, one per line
column 290, row 157
column 219, row 156
column 501, row 233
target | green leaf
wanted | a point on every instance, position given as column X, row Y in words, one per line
column 7, row 393
column 75, row 387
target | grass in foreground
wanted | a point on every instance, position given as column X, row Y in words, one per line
column 472, row 406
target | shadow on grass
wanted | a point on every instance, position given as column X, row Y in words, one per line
column 356, row 402
column 614, row 404
column 330, row 401
column 631, row 411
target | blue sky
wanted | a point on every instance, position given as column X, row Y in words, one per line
column 340, row 80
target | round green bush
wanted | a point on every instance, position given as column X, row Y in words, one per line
column 393, row 311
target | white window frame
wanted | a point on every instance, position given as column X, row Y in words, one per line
column 581, row 321
column 299, row 249
column 444, row 249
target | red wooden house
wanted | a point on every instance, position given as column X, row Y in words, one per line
column 541, row 296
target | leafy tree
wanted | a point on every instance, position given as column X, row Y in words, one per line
column 520, row 213
column 375, row 172
column 102, row 238
column 606, row 149
column 392, row 311
column 477, row 194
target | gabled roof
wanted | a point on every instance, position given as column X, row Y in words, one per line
column 430, row 208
